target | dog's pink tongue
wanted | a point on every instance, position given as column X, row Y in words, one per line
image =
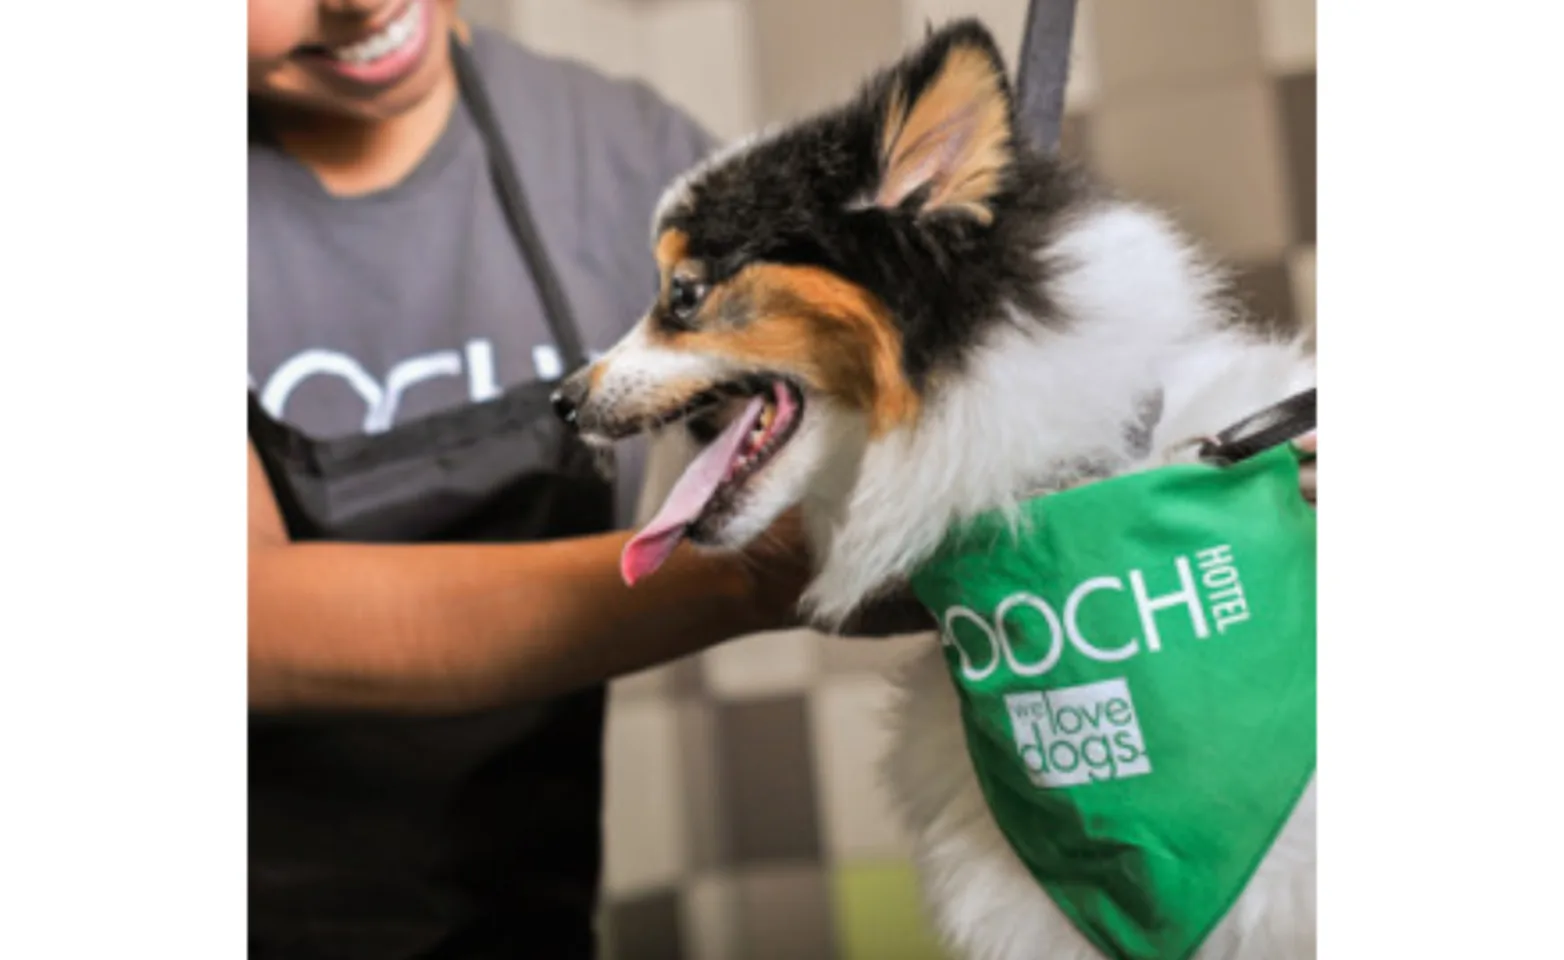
column 650, row 548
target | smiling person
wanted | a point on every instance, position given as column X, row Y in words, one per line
column 441, row 225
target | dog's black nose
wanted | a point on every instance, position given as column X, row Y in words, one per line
column 567, row 399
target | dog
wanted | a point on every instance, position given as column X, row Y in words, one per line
column 896, row 315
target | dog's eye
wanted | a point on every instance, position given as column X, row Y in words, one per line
column 684, row 296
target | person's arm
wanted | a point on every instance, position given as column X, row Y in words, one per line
column 456, row 626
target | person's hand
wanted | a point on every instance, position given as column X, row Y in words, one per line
column 1308, row 472
column 778, row 568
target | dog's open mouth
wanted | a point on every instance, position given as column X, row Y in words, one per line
column 709, row 486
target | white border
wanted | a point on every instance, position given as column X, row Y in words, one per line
column 122, row 298
column 123, row 304
column 1441, row 552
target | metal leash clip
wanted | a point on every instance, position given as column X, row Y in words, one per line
column 1279, row 423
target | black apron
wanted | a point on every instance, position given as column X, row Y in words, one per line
column 473, row 836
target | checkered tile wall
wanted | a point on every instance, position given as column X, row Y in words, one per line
column 744, row 820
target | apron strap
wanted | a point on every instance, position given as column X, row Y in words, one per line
column 513, row 202
column 1043, row 70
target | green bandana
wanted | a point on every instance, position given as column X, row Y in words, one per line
column 1136, row 674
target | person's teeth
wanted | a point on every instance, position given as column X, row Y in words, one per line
column 387, row 41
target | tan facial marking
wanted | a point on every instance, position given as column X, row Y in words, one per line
column 832, row 334
column 671, row 248
column 672, row 254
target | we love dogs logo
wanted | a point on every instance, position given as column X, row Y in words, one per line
column 1075, row 735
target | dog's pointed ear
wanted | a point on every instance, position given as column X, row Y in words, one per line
column 946, row 136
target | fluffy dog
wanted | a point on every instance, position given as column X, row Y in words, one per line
column 897, row 315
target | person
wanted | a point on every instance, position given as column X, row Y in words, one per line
column 441, row 223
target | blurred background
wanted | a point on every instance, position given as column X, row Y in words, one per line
column 744, row 816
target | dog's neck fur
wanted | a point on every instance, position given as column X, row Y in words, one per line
column 1040, row 407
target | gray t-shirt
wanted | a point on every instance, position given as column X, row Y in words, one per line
column 367, row 312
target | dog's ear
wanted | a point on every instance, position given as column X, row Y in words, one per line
column 946, row 136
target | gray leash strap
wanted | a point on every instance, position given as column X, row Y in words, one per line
column 1043, row 69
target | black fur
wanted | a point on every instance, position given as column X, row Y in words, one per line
column 944, row 276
